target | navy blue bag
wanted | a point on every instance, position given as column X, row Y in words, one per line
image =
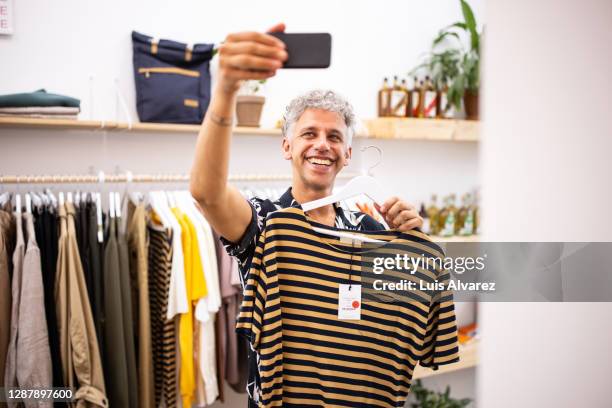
column 172, row 80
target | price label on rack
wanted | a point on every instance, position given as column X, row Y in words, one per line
column 6, row 17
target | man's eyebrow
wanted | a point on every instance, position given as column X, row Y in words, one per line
column 315, row 128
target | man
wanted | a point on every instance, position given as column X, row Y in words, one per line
column 317, row 133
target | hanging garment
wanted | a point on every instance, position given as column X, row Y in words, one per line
column 231, row 350
column 128, row 322
column 95, row 263
column 33, row 354
column 45, row 224
column 115, row 368
column 162, row 329
column 195, row 289
column 82, row 234
column 244, row 249
column 10, row 375
column 310, row 357
column 7, row 245
column 79, row 349
column 139, row 247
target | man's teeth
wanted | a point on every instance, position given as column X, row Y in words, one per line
column 325, row 162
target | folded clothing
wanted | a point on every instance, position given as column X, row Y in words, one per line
column 41, row 110
column 37, row 116
column 37, row 98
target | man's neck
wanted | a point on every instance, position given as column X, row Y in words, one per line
column 326, row 214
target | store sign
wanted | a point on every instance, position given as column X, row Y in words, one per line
column 6, row 16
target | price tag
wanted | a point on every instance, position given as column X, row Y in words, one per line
column 6, row 16
column 349, row 302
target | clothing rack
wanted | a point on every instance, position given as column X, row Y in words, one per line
column 134, row 178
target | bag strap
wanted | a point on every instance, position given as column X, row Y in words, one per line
column 154, row 44
column 188, row 52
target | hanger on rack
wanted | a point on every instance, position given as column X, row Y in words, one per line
column 5, row 198
column 111, row 204
column 28, row 203
column 360, row 185
column 18, row 204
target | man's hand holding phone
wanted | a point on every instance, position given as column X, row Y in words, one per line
column 250, row 55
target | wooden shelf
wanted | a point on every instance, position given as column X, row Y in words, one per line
column 449, row 130
column 470, row 238
column 66, row 124
column 468, row 357
column 380, row 128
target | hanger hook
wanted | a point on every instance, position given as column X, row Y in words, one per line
column 380, row 157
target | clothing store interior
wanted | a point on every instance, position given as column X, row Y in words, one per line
column 190, row 191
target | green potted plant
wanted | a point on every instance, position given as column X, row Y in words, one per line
column 431, row 399
column 249, row 103
column 457, row 68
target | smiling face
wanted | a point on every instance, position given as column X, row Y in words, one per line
column 317, row 148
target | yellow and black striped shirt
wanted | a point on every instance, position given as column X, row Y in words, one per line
column 310, row 358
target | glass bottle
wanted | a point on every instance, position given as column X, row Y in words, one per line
column 431, row 101
column 423, row 214
column 383, row 99
column 433, row 213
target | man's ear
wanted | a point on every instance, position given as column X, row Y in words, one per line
column 347, row 155
column 286, row 149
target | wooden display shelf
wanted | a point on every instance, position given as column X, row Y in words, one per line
column 468, row 357
column 450, row 130
column 67, row 124
column 470, row 238
column 380, row 128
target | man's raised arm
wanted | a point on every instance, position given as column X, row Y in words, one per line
column 242, row 56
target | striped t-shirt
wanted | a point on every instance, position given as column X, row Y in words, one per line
column 311, row 358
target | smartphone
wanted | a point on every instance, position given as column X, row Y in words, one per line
column 306, row 50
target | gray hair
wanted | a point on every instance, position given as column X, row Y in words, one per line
column 320, row 99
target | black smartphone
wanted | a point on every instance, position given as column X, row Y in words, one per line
column 306, row 50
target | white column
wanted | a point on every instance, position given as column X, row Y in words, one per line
column 546, row 175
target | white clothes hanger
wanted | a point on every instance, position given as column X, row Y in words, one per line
column 111, row 205
column 28, row 203
column 5, row 197
column 134, row 196
column 366, row 185
column 61, row 198
column 99, row 218
column 342, row 234
column 69, row 197
column 18, row 204
column 36, row 199
column 360, row 185
column 160, row 205
column 117, row 205
column 54, row 201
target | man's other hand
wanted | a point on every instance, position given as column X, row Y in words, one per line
column 250, row 55
column 399, row 214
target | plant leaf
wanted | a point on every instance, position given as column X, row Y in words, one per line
column 442, row 35
column 470, row 22
column 457, row 25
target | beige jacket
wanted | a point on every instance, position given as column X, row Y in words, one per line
column 139, row 250
column 80, row 354
column 7, row 238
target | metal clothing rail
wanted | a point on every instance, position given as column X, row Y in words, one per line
column 135, row 178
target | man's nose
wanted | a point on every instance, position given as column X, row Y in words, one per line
column 321, row 144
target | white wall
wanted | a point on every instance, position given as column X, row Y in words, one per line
column 59, row 44
column 545, row 173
